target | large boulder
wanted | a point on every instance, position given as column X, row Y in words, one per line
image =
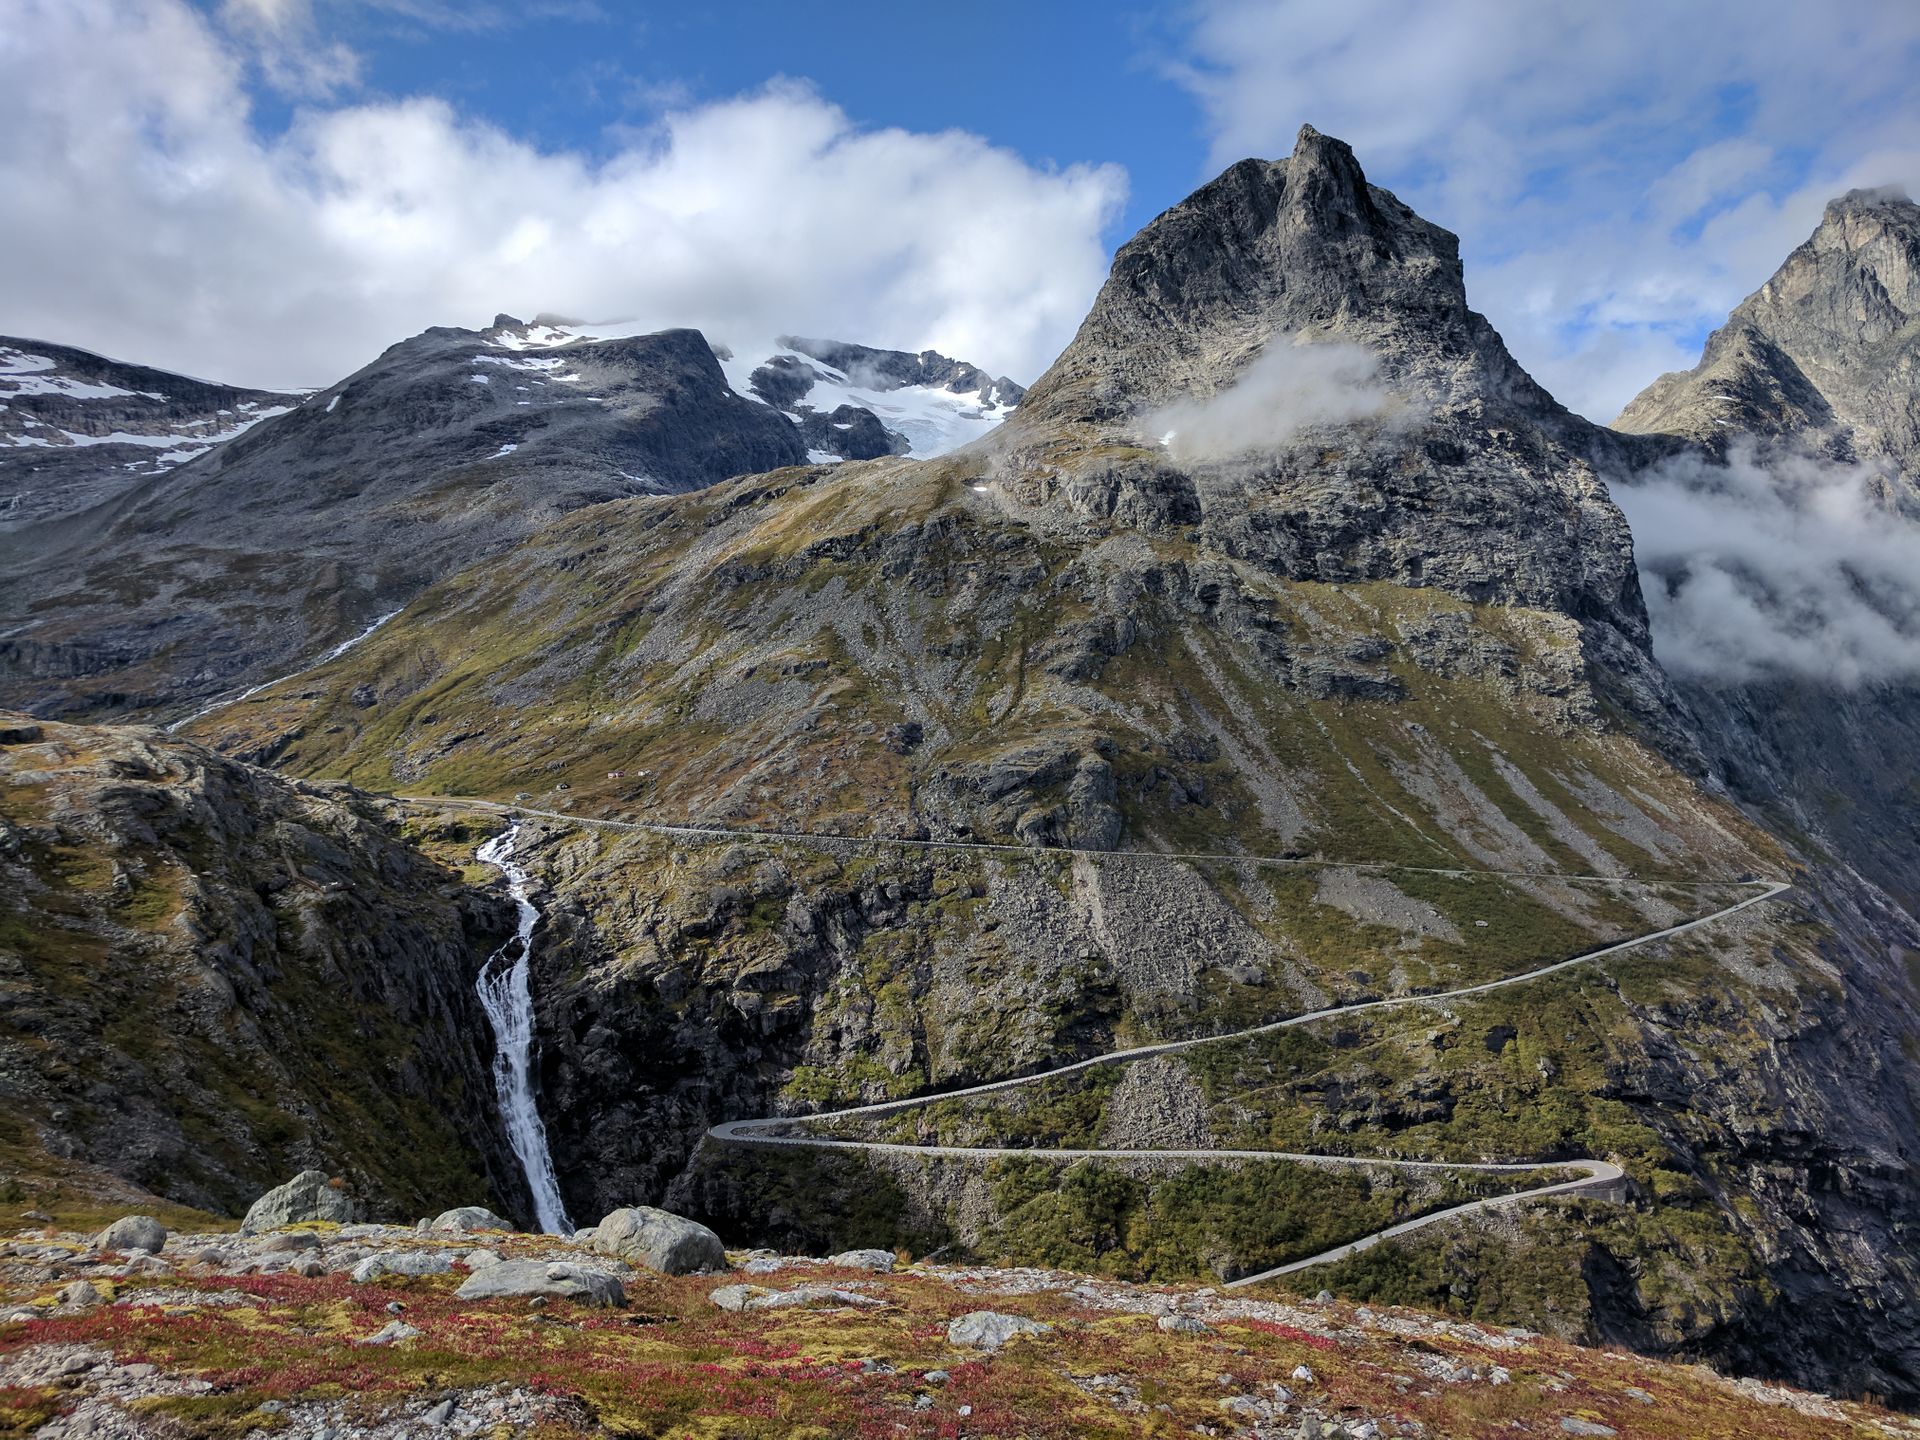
column 308, row 1197
column 401, row 1262
column 468, row 1218
column 133, row 1232
column 989, row 1329
column 880, row 1261
column 518, row 1278
column 659, row 1240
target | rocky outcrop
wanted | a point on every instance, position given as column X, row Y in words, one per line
column 216, row 977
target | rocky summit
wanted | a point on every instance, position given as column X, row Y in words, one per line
column 1205, row 902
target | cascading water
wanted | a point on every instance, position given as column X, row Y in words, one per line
column 506, row 992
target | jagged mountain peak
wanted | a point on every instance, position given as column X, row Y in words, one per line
column 1301, row 248
column 1825, row 355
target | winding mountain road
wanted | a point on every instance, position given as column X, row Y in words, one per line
column 1595, row 1174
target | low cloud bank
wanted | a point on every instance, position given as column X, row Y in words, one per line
column 1292, row 385
column 1777, row 567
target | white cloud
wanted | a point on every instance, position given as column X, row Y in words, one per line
column 1778, row 566
column 147, row 216
column 1292, row 385
column 1621, row 175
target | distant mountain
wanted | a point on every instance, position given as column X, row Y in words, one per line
column 77, row 428
column 1804, row 540
column 1826, row 353
column 286, row 541
column 850, row 402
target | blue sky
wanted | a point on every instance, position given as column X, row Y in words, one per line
column 273, row 190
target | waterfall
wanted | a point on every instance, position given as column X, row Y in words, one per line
column 505, row 990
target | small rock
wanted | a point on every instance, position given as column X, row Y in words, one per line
column 1302, row 1374
column 391, row 1333
column 311, row 1268
column 660, row 1240
column 402, row 1262
column 923, row 1402
column 736, row 1298
column 964, row 1411
column 1634, row 1392
column 880, row 1261
column 989, row 1329
column 133, row 1232
column 936, row 1377
column 309, row 1196
column 511, row 1279
column 290, row 1242
column 468, row 1218
column 1184, row 1325
column 79, row 1295
column 1573, row 1425
column 1499, row 1375
column 39, row 1215
column 1325, row 1297
column 440, row 1414
column 394, row 1307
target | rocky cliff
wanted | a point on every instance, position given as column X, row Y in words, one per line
column 1285, row 557
column 212, row 977
column 1824, row 354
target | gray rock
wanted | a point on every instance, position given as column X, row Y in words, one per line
column 660, row 1241
column 468, row 1218
column 402, row 1262
column 391, row 1333
column 133, row 1232
column 439, row 1414
column 78, row 1295
column 516, row 1279
column 481, row 1259
column 801, row 1297
column 1573, row 1425
column 989, row 1329
column 1184, row 1325
column 290, row 1242
column 309, row 1196
column 879, row 1261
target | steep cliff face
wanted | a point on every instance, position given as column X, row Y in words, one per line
column 1826, row 353
column 1284, row 557
column 211, row 978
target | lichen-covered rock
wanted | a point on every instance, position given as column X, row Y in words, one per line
column 521, row 1278
column 800, row 1297
column 309, row 1196
column 990, row 1329
column 660, row 1240
column 880, row 1261
column 133, row 1232
column 403, row 1262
